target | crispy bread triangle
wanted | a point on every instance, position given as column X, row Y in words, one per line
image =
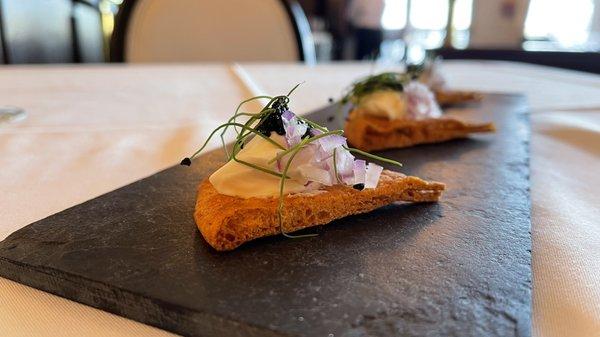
column 374, row 133
column 453, row 97
column 227, row 222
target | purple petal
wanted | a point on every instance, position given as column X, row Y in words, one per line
column 287, row 115
column 345, row 162
column 315, row 132
column 316, row 174
column 360, row 171
column 421, row 101
column 331, row 142
column 372, row 175
column 294, row 130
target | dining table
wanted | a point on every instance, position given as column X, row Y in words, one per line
column 90, row 129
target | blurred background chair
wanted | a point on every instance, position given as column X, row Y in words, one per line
column 556, row 33
column 50, row 31
column 224, row 30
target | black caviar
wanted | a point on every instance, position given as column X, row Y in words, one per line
column 273, row 122
column 359, row 187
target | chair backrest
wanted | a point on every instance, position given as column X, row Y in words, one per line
column 36, row 31
column 51, row 31
column 200, row 30
column 2, row 44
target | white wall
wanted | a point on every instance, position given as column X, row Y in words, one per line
column 493, row 28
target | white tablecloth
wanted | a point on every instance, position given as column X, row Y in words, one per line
column 91, row 129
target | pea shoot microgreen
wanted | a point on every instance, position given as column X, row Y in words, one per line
column 261, row 124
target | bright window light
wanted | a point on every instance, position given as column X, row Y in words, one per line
column 567, row 22
column 463, row 11
column 429, row 14
column 394, row 15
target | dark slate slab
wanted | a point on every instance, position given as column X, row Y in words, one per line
column 457, row 268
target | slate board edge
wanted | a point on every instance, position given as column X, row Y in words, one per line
column 122, row 304
column 525, row 329
column 218, row 324
column 524, row 326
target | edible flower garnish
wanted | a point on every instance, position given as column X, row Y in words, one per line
column 428, row 73
column 420, row 101
column 306, row 152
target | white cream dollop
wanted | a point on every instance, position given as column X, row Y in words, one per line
column 415, row 102
column 388, row 104
column 239, row 180
column 431, row 76
column 323, row 159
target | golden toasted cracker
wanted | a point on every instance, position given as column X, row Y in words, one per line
column 454, row 97
column 227, row 222
column 370, row 133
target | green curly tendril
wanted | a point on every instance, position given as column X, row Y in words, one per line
column 247, row 129
column 395, row 81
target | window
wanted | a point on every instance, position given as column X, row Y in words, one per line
column 394, row 15
column 429, row 14
column 463, row 11
column 461, row 23
column 565, row 22
column 425, row 20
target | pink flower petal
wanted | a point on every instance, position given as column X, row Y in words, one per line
column 372, row 175
column 421, row 101
column 360, row 171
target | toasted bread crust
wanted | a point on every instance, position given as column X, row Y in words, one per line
column 374, row 133
column 453, row 97
column 227, row 222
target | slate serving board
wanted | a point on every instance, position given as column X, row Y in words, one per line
column 460, row 267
